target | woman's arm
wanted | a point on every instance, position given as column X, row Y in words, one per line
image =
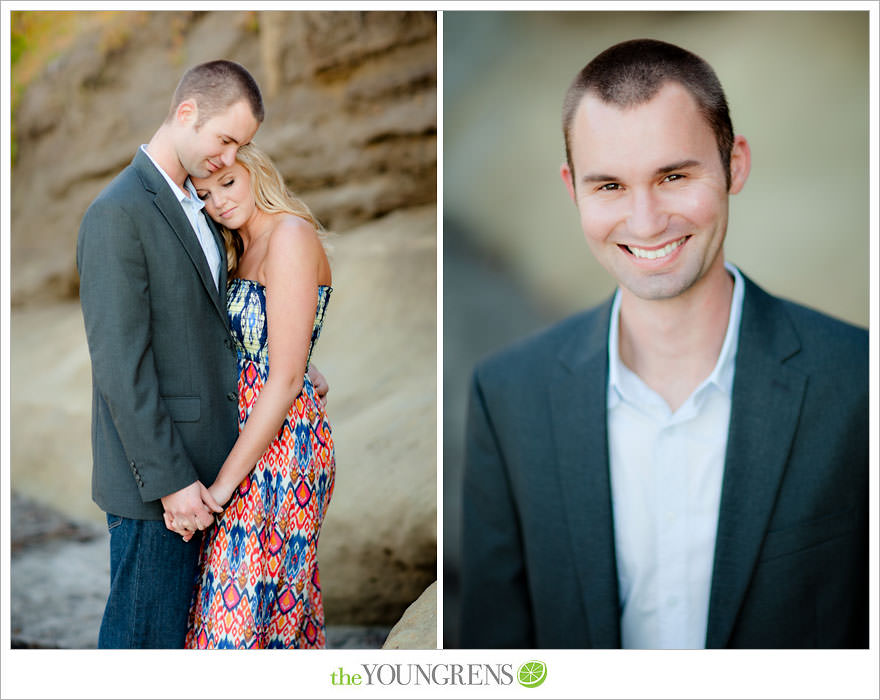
column 291, row 271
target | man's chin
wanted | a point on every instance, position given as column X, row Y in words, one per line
column 659, row 287
column 198, row 170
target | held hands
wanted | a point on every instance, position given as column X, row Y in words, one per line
column 193, row 507
column 190, row 509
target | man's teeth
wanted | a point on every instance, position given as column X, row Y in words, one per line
column 658, row 253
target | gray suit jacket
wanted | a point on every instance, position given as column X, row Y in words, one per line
column 164, row 371
column 791, row 557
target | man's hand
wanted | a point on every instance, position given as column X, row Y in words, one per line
column 319, row 381
column 189, row 509
column 169, row 523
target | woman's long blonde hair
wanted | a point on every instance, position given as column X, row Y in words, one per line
column 271, row 195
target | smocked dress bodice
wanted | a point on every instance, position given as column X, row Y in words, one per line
column 246, row 306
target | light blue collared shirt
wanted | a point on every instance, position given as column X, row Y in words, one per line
column 193, row 207
column 666, row 473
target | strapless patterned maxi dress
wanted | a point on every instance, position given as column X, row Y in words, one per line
column 259, row 586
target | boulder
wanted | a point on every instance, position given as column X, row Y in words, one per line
column 417, row 629
column 379, row 351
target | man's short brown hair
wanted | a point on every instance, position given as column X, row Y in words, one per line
column 632, row 72
column 215, row 86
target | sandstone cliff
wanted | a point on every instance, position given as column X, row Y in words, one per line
column 350, row 118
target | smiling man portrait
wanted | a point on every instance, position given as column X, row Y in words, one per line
column 686, row 464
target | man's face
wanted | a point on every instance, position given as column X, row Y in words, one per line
column 651, row 190
column 213, row 145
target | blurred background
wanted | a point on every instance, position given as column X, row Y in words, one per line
column 352, row 123
column 514, row 257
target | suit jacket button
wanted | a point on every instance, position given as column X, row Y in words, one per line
column 232, row 396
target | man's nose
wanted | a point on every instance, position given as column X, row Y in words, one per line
column 228, row 155
column 647, row 216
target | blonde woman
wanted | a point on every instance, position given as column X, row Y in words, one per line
column 259, row 585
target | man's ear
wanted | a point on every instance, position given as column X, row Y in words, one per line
column 740, row 164
column 568, row 179
column 187, row 112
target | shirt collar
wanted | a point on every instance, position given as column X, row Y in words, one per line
column 191, row 201
column 620, row 378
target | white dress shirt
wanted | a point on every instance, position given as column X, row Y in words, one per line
column 194, row 207
column 666, row 471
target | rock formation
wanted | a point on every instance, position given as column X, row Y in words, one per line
column 417, row 628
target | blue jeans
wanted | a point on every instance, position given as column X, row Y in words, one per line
column 152, row 576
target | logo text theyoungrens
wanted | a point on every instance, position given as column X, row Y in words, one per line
column 425, row 674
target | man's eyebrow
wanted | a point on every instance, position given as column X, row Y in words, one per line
column 599, row 177
column 603, row 177
column 681, row 165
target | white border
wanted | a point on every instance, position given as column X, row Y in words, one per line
column 439, row 407
column 581, row 674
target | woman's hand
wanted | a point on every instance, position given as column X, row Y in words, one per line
column 221, row 493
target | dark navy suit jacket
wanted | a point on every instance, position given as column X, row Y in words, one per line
column 164, row 369
column 791, row 555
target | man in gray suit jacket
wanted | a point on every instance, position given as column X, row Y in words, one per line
column 686, row 465
column 152, row 271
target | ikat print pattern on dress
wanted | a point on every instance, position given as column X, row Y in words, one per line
column 259, row 586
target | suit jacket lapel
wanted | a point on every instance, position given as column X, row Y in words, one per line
column 766, row 403
column 578, row 415
column 167, row 203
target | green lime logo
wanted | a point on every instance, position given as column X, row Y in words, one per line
column 531, row 674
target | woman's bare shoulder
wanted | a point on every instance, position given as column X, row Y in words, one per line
column 292, row 231
column 294, row 243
